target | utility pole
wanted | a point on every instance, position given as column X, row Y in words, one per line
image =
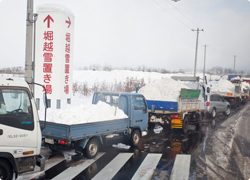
column 29, row 41
column 196, row 49
column 204, row 64
column 234, row 63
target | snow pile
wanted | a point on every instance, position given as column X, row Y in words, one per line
column 85, row 114
column 121, row 146
column 244, row 86
column 166, row 89
column 222, row 85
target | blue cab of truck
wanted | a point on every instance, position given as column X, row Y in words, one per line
column 133, row 105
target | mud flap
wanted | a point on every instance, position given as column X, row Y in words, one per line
column 40, row 161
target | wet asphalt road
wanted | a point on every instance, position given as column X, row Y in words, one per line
column 168, row 143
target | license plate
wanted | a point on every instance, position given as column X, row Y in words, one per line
column 50, row 141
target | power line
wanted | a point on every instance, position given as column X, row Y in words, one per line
column 171, row 14
column 182, row 13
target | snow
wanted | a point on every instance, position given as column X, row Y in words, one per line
column 244, row 86
column 121, row 146
column 76, row 114
column 222, row 85
column 165, row 89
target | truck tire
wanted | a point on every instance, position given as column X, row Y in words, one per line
column 92, row 148
column 228, row 111
column 135, row 138
column 185, row 125
column 6, row 172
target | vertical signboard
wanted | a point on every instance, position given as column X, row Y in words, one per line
column 54, row 51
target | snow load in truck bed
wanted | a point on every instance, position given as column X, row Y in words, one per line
column 85, row 114
column 222, row 85
column 166, row 89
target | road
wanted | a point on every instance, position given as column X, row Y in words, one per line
column 224, row 151
column 153, row 158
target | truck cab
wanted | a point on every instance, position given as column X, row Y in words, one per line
column 134, row 106
column 20, row 132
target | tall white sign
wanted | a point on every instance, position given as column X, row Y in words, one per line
column 54, row 51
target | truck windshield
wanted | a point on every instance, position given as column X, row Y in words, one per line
column 15, row 109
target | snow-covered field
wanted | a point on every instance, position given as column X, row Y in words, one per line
column 158, row 87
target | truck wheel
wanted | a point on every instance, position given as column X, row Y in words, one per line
column 213, row 113
column 6, row 172
column 92, row 148
column 185, row 125
column 135, row 138
column 227, row 112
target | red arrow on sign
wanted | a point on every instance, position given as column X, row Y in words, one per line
column 48, row 18
column 68, row 22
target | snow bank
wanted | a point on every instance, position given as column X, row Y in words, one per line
column 222, row 85
column 166, row 89
column 245, row 85
column 85, row 114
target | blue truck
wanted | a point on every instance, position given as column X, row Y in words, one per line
column 86, row 137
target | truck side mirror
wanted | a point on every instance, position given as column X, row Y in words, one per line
column 153, row 108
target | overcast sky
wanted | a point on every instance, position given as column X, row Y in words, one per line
column 154, row 33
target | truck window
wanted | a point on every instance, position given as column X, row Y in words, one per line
column 114, row 99
column 123, row 104
column 139, row 104
column 107, row 99
column 15, row 109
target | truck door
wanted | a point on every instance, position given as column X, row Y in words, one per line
column 17, row 132
column 140, row 112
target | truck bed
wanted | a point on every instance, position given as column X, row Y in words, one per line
column 81, row 131
column 228, row 94
column 167, row 107
column 188, row 101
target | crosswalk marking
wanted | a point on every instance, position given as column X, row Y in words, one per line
column 181, row 167
column 110, row 170
column 146, row 169
column 71, row 172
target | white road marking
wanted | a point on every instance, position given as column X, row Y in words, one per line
column 146, row 169
column 181, row 167
column 71, row 172
column 110, row 170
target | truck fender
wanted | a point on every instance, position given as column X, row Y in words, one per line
column 184, row 114
column 83, row 143
column 10, row 159
column 135, row 127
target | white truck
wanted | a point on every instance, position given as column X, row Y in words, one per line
column 20, row 130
